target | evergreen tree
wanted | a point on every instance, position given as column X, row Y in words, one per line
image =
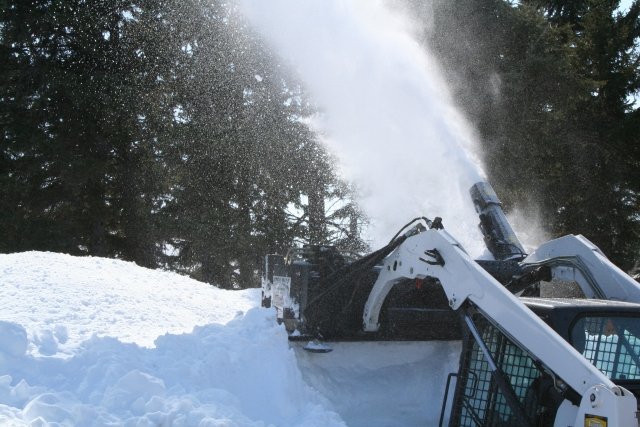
column 547, row 84
column 69, row 128
column 601, row 200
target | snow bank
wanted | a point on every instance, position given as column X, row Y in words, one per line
column 241, row 374
column 63, row 300
column 96, row 342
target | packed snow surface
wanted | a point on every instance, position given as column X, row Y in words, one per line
column 90, row 341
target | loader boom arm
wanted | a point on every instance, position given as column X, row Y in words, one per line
column 575, row 258
column 436, row 254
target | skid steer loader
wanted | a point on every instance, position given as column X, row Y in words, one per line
column 550, row 338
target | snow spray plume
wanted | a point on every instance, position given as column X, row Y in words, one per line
column 469, row 37
column 386, row 111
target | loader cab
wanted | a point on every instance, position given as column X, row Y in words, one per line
column 500, row 384
column 607, row 333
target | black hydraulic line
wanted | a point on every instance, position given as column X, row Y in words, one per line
column 365, row 263
column 499, row 376
column 404, row 227
column 340, row 291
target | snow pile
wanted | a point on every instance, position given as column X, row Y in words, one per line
column 95, row 342
column 64, row 300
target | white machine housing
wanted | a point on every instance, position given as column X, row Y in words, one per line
column 436, row 254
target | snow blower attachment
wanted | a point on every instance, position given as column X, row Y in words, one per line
column 320, row 293
column 518, row 365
